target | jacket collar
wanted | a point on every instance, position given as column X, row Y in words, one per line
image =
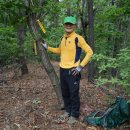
column 71, row 34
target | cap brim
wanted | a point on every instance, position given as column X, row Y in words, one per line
column 69, row 22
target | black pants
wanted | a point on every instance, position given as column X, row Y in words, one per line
column 70, row 91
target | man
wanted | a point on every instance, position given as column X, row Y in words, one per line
column 70, row 67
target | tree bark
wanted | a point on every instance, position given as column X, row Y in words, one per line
column 116, row 41
column 21, row 60
column 112, row 2
column 83, row 17
column 45, row 59
column 90, row 37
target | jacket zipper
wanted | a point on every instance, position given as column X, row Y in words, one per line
column 65, row 40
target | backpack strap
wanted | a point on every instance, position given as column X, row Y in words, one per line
column 76, row 40
column 78, row 50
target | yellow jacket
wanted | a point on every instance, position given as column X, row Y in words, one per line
column 70, row 52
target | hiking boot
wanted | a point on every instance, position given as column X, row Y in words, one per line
column 72, row 120
column 64, row 116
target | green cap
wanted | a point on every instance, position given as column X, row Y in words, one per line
column 70, row 19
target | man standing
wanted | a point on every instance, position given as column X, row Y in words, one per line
column 70, row 67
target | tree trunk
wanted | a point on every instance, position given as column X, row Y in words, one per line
column 112, row 2
column 116, row 41
column 45, row 59
column 90, row 37
column 21, row 60
column 83, row 17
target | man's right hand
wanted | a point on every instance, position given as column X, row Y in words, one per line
column 44, row 44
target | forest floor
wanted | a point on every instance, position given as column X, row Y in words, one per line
column 29, row 102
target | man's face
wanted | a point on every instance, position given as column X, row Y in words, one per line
column 69, row 27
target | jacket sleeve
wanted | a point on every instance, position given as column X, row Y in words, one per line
column 86, row 48
column 54, row 50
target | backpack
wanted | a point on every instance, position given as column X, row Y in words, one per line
column 113, row 116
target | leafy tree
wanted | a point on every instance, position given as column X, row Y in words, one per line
column 111, row 42
column 13, row 12
column 111, row 32
column 8, row 47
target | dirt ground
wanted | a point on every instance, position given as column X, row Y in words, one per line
column 29, row 102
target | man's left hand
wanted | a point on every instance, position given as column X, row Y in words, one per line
column 76, row 70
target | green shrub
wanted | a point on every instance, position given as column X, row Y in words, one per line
column 105, row 64
column 8, row 47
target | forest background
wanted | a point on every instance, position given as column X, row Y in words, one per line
column 105, row 25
